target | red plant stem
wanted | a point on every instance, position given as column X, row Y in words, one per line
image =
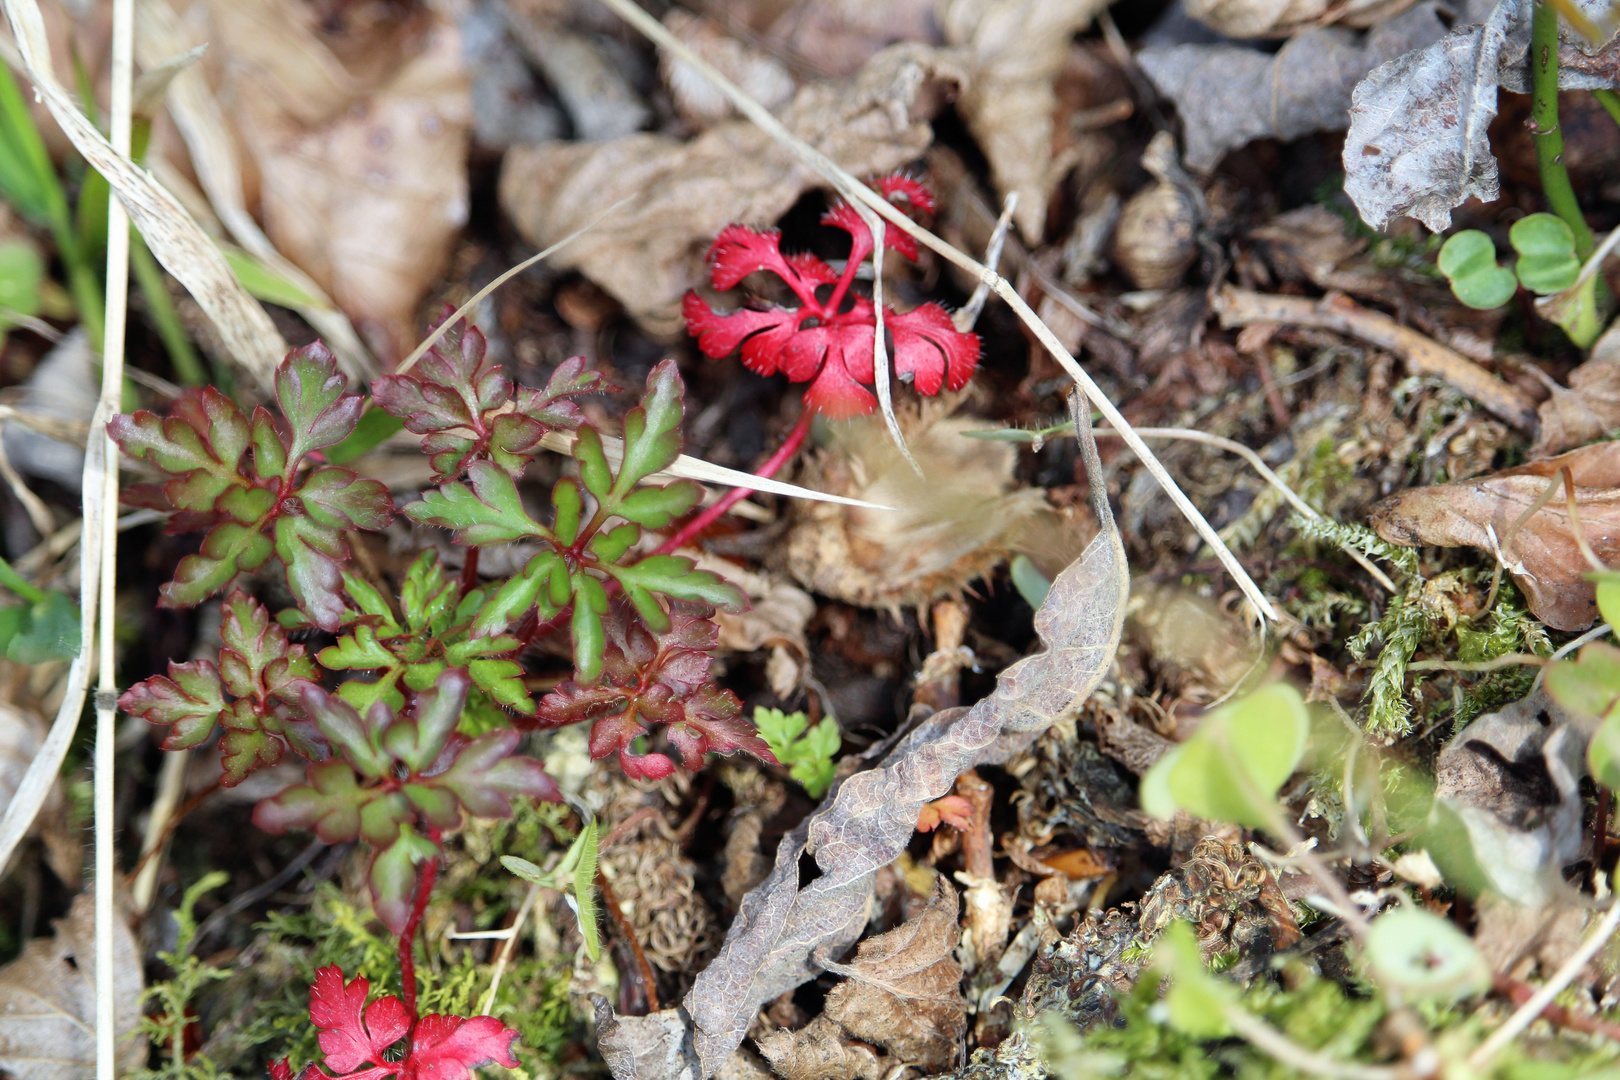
column 784, row 454
column 1519, row 993
column 469, row 572
column 407, row 937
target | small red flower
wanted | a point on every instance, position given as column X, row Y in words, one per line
column 828, row 342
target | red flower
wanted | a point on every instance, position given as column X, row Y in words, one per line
column 828, row 343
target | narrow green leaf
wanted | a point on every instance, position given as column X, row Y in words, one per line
column 590, row 604
column 585, row 887
column 263, row 283
column 593, row 463
column 526, row 870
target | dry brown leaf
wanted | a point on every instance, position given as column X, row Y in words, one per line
column 1015, row 49
column 759, row 73
column 903, row 989
column 682, row 193
column 362, row 171
column 1268, row 18
column 48, row 1001
column 837, row 37
column 1542, row 554
column 1590, row 408
column 868, row 818
column 1230, row 94
column 820, row 1051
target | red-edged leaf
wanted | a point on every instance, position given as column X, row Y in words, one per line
column 256, row 661
column 190, row 700
column 227, row 550
column 929, row 350
column 449, row 1047
column 469, row 409
column 310, row 392
column 200, row 442
column 247, row 747
column 714, row 724
column 486, row 776
column 392, row 877
column 313, row 555
column 350, row 1033
column 329, row 805
column 339, row 499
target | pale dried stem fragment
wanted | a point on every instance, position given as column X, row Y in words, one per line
column 1423, row 355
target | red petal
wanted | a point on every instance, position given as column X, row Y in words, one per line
column 899, row 188
column 929, row 348
column 739, row 251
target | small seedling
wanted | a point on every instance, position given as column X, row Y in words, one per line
column 575, row 875
column 807, row 751
column 1548, row 265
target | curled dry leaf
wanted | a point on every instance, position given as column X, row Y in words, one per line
column 901, row 993
column 1590, row 408
column 1540, row 551
column 48, row 1001
column 1279, row 18
column 362, row 174
column 868, row 818
column 1419, row 125
column 683, row 193
column 1015, row 48
column 756, row 71
column 1230, row 94
column 1511, row 778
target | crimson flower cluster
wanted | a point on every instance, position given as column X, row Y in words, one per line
column 827, row 340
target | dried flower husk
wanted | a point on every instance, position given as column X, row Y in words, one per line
column 1157, row 236
column 952, row 526
column 1280, row 18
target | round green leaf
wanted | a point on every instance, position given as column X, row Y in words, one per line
column 1425, row 955
column 1546, row 247
column 1196, row 1002
column 1234, row 764
column 1468, row 260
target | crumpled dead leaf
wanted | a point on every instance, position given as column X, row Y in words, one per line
column 48, row 1001
column 1419, row 125
column 1015, row 49
column 869, row 817
column 1268, row 18
column 1541, row 552
column 682, row 193
column 362, row 174
column 762, row 75
column 1590, row 408
column 1512, row 777
column 901, row 993
column 1230, row 94
column 821, row 1050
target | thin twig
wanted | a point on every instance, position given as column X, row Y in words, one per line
column 39, row 515
column 1527, row 1012
column 627, row 936
column 171, row 785
column 968, row 315
column 507, row 947
column 859, row 194
column 112, row 382
column 1505, row 660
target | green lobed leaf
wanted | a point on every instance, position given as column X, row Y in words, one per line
column 339, row 499
column 594, row 472
column 1468, row 260
column 677, row 577
column 245, row 749
column 189, row 701
column 1546, row 247
column 1233, row 765
column 255, row 660
column 656, row 507
column 488, row 512
column 227, row 550
column 200, row 443
column 521, row 594
column 313, row 555
column 309, row 390
column 652, row 430
column 566, row 505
